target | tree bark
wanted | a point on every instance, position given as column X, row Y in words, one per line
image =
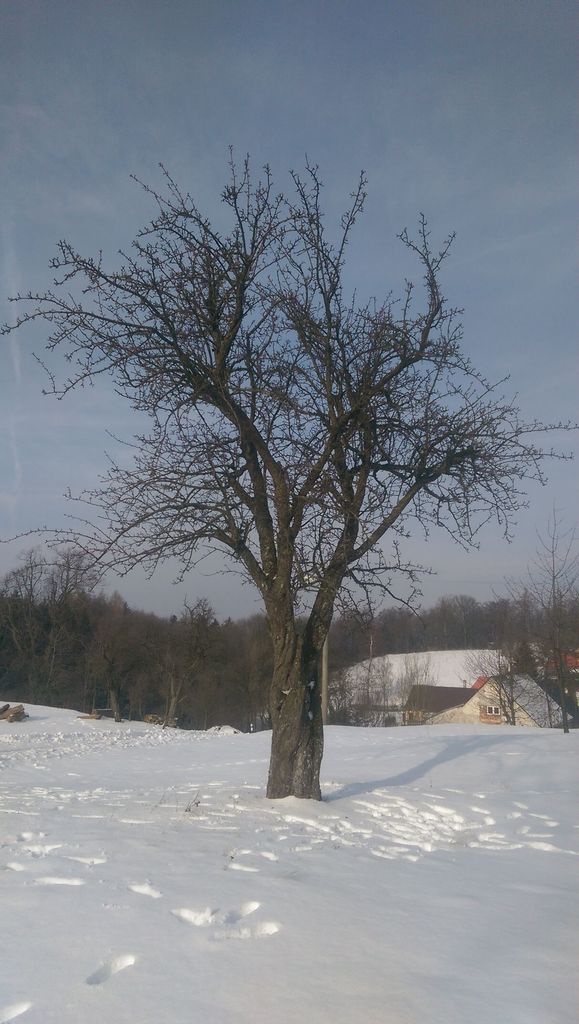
column 115, row 703
column 171, row 706
column 297, row 731
column 560, row 669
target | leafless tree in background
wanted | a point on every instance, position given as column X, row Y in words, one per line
column 416, row 673
column 291, row 426
column 181, row 652
column 553, row 585
column 116, row 654
column 39, row 611
column 514, row 683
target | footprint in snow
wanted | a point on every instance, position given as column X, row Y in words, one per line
column 228, row 923
column 234, row 865
column 259, row 931
column 145, row 889
column 10, row 1013
column 55, row 880
column 41, row 849
column 200, row 918
column 110, row 968
column 203, row 918
column 89, row 861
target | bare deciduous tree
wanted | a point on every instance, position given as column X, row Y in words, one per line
column 377, row 695
column 38, row 612
column 113, row 659
column 416, row 675
column 553, row 585
column 180, row 652
column 291, row 426
column 514, row 686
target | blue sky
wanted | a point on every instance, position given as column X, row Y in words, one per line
column 459, row 109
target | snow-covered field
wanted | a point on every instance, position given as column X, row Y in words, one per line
column 145, row 879
column 444, row 668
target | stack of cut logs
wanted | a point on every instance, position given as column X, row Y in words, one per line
column 159, row 720
column 16, row 713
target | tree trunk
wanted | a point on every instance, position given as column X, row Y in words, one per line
column 115, row 703
column 549, row 710
column 171, row 706
column 560, row 668
column 296, row 713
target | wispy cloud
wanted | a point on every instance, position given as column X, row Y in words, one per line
column 15, row 452
column 11, row 275
column 15, row 358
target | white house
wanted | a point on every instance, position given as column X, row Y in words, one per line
column 494, row 703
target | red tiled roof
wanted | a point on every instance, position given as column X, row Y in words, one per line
column 479, row 682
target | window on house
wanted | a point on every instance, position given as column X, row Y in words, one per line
column 492, row 709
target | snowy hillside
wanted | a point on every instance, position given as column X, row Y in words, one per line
column 444, row 668
column 145, row 879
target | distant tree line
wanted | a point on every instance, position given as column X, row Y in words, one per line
column 452, row 623
column 64, row 644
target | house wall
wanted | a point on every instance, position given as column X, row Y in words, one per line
column 468, row 714
column 474, row 711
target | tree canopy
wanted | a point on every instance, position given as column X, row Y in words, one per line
column 292, row 425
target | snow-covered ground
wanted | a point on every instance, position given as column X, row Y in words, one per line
column 438, row 668
column 146, row 879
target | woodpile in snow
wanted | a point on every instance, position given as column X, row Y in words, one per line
column 171, row 723
column 16, row 713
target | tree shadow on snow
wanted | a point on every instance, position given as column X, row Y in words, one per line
column 451, row 751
